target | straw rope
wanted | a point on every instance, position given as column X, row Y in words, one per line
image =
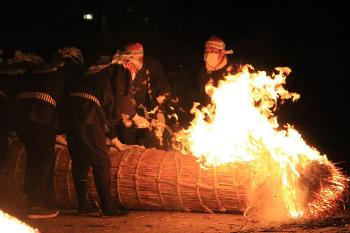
column 205, row 208
column 216, row 187
column 159, row 181
column 119, row 175
column 37, row 95
column 235, row 191
column 136, row 178
column 68, row 177
column 16, row 169
column 178, row 182
column 55, row 183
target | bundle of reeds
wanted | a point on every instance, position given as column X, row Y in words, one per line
column 151, row 179
column 326, row 189
column 148, row 179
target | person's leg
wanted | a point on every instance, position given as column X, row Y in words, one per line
column 80, row 169
column 98, row 156
column 102, row 179
column 39, row 143
column 80, row 177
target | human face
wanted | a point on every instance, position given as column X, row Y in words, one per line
column 135, row 63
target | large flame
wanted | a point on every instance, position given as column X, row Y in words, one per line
column 240, row 126
column 9, row 223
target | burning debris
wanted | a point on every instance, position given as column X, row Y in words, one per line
column 240, row 126
column 12, row 224
column 326, row 189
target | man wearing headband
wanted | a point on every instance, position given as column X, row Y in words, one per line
column 216, row 66
column 141, row 86
column 89, row 116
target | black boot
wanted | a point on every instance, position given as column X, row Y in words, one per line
column 85, row 207
column 103, row 185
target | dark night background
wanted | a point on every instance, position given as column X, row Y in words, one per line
column 310, row 38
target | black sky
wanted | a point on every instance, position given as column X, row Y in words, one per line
column 311, row 38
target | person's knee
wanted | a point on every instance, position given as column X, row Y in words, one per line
column 103, row 162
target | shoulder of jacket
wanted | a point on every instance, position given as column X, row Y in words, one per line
column 96, row 69
column 48, row 67
column 13, row 70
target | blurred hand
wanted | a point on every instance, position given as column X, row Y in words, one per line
column 123, row 147
column 140, row 121
column 126, row 120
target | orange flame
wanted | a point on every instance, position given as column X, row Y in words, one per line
column 9, row 223
column 240, row 126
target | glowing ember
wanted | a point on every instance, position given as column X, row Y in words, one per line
column 12, row 224
column 240, row 126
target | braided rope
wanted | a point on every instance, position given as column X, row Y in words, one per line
column 199, row 185
column 216, row 187
column 235, row 190
column 119, row 175
column 55, row 185
column 145, row 112
column 178, row 182
column 159, row 181
column 38, row 95
column 86, row 96
column 136, row 177
column 68, row 178
column 16, row 167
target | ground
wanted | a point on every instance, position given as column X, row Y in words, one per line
column 176, row 222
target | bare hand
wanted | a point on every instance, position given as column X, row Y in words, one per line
column 140, row 122
column 123, row 147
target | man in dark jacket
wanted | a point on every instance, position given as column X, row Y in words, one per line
column 217, row 65
column 89, row 115
column 36, row 123
column 11, row 75
column 140, row 81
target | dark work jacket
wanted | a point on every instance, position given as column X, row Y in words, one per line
column 52, row 77
column 204, row 76
column 149, row 83
column 10, row 79
column 78, row 111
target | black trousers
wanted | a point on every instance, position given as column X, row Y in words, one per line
column 39, row 142
column 4, row 128
column 87, row 147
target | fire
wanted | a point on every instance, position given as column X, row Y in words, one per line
column 240, row 126
column 12, row 224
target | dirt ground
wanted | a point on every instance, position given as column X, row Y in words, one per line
column 169, row 222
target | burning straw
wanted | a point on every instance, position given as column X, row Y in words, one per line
column 326, row 188
column 289, row 178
